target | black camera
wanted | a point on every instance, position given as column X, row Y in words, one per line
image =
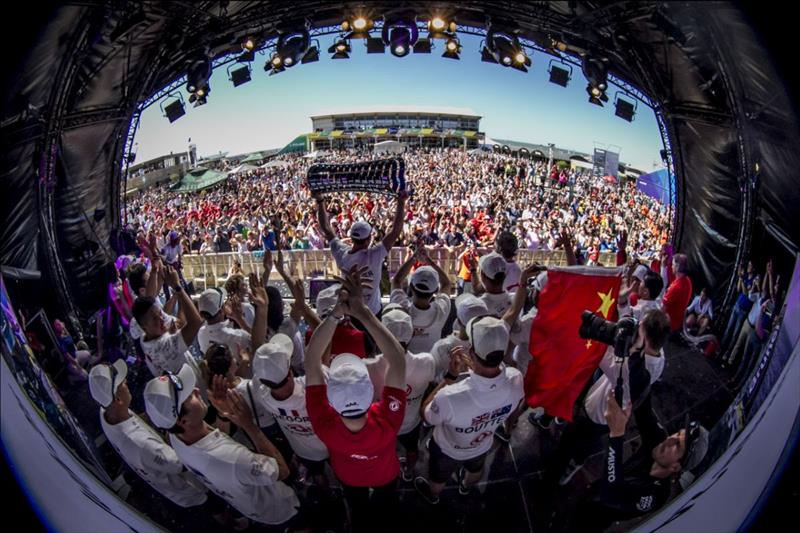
column 618, row 334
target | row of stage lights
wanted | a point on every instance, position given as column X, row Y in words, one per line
column 400, row 33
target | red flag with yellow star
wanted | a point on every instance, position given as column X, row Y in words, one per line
column 563, row 362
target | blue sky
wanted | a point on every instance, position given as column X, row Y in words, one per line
column 270, row 111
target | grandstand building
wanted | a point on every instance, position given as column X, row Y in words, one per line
column 410, row 125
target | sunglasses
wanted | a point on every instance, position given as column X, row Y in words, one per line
column 177, row 386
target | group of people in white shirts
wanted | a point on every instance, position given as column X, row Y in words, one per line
column 346, row 410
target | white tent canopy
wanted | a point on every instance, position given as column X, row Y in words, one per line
column 242, row 168
column 275, row 163
column 389, row 147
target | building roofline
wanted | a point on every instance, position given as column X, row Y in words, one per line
column 398, row 109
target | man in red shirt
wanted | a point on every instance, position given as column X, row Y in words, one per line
column 679, row 293
column 360, row 435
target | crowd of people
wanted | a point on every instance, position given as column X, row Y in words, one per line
column 458, row 198
column 256, row 407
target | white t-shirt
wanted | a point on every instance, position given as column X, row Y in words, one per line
column 420, row 372
column 497, row 303
column 246, row 480
column 467, row 413
column 168, row 353
column 521, row 338
column 136, row 330
column 263, row 418
column 597, row 397
column 223, row 333
column 153, row 460
column 513, row 275
column 701, row 309
column 371, row 257
column 171, row 253
column 249, row 313
column 441, row 353
column 292, row 416
column 428, row 323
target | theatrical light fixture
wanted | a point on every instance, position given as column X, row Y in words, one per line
column 506, row 50
column 560, row 74
column 293, row 47
column 624, row 109
column 375, row 45
column 452, row 48
column 438, row 24
column 359, row 27
column 440, row 28
column 249, row 44
column 200, row 96
column 400, row 34
column 175, row 109
column 198, row 73
column 596, row 72
column 240, row 75
column 340, row 49
column 423, row 46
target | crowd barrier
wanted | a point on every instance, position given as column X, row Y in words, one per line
column 212, row 270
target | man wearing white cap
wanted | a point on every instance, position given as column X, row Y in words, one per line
column 467, row 413
column 468, row 306
column 216, row 329
column 279, row 392
column 361, row 254
column 137, row 444
column 491, row 280
column 360, row 435
column 249, row 482
column 168, row 349
column 648, row 290
column 420, row 372
column 429, row 305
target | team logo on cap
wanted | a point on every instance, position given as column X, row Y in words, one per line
column 394, row 405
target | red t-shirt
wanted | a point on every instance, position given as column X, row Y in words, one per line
column 366, row 458
column 676, row 300
column 346, row 339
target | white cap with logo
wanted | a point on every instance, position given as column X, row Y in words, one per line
column 487, row 335
column 640, row 272
column 360, row 230
column 349, row 387
column 164, row 396
column 399, row 324
column 212, row 300
column 271, row 361
column 105, row 379
column 469, row 306
column 326, row 299
column 425, row 279
column 492, row 264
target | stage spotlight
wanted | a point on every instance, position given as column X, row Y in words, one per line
column 452, row 48
column 175, row 109
column 440, row 28
column 506, row 50
column 375, row 46
column 248, row 44
column 596, row 72
column 624, row 109
column 400, row 34
column 359, row 27
column 340, row 50
column 200, row 96
column 596, row 95
column 438, row 24
column 198, row 74
column 292, row 48
column 560, row 75
column 239, row 76
column 423, row 46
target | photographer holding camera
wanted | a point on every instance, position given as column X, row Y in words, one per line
column 633, row 361
column 642, row 484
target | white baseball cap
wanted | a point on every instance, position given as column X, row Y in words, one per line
column 487, row 334
column 212, row 300
column 492, row 264
column 425, row 279
column 360, row 230
column 399, row 324
column 349, row 387
column 469, row 306
column 327, row 298
column 271, row 361
column 640, row 272
column 160, row 400
column 105, row 379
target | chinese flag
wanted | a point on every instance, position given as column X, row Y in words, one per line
column 562, row 361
